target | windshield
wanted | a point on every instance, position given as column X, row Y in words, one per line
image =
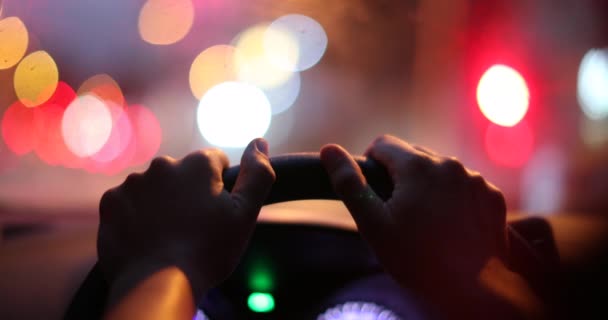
column 93, row 90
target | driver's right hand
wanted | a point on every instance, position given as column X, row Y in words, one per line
column 441, row 225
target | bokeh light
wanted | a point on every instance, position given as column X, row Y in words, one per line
column 261, row 277
column 147, row 133
column 593, row 84
column 232, row 113
column 118, row 152
column 120, row 136
column 260, row 302
column 18, row 128
column 36, row 78
column 503, row 95
column 252, row 63
column 50, row 146
column 356, row 310
column 303, row 48
column 13, row 41
column 164, row 22
column 86, row 125
column 212, row 67
column 543, row 181
column 594, row 133
column 284, row 96
column 104, row 87
column 509, row 146
column 200, row 315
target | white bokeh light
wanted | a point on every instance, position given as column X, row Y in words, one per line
column 231, row 114
column 253, row 64
column 284, row 96
column 86, row 125
column 310, row 37
column 543, row 181
column 503, row 95
column 593, row 84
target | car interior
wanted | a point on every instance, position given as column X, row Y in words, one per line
column 91, row 91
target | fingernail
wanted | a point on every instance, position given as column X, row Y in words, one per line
column 262, row 146
column 332, row 154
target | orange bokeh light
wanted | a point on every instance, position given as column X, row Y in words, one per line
column 104, row 87
column 211, row 67
column 164, row 22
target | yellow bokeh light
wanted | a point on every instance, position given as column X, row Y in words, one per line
column 212, row 67
column 254, row 65
column 281, row 48
column 13, row 41
column 104, row 87
column 164, row 22
column 36, row 78
column 306, row 45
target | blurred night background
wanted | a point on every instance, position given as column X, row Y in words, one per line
column 93, row 90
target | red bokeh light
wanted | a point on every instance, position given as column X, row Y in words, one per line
column 18, row 128
column 50, row 146
column 147, row 133
column 509, row 146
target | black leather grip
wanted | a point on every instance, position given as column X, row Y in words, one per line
column 301, row 176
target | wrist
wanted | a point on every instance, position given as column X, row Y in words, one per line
column 140, row 268
column 469, row 295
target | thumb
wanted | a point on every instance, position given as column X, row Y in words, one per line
column 350, row 185
column 255, row 179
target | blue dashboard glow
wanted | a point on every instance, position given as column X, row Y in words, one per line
column 358, row 311
column 200, row 315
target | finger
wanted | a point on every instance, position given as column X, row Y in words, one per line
column 351, row 186
column 206, row 164
column 255, row 179
column 161, row 166
column 398, row 157
column 113, row 206
column 425, row 150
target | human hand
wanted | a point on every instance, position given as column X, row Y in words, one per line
column 178, row 213
column 442, row 224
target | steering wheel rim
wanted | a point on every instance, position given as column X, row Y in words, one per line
column 312, row 183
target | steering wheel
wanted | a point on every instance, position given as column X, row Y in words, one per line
column 301, row 176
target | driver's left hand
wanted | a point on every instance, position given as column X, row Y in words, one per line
column 178, row 213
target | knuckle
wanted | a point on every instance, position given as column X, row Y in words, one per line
column 416, row 163
column 107, row 202
column 211, row 153
column 261, row 168
column 478, row 182
column 497, row 201
column 199, row 158
column 132, row 180
column 452, row 166
column 161, row 165
column 203, row 159
column 382, row 139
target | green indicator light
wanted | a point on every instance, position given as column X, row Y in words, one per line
column 261, row 281
column 260, row 302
